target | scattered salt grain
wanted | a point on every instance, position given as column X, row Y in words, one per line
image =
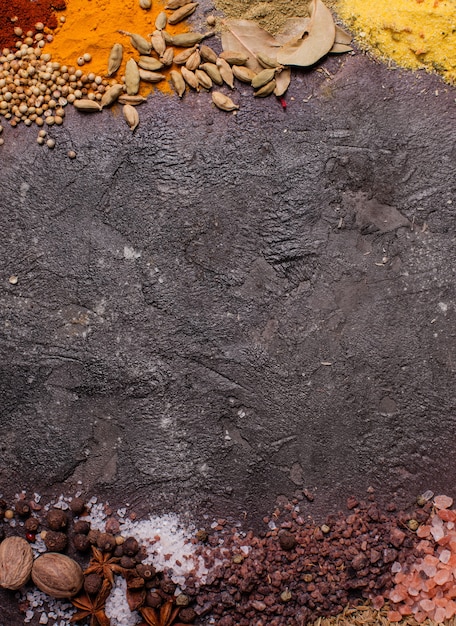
column 396, row 567
column 96, row 516
column 117, row 608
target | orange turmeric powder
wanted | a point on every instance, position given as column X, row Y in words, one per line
column 91, row 27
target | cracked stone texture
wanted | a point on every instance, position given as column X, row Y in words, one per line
column 221, row 308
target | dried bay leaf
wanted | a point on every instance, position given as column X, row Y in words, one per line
column 293, row 28
column 342, row 36
column 248, row 38
column 314, row 43
column 342, row 42
column 340, row 48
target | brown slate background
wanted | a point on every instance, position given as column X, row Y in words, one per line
column 179, row 290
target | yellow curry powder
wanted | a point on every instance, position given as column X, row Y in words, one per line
column 91, row 27
column 416, row 34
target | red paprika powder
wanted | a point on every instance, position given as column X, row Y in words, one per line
column 25, row 14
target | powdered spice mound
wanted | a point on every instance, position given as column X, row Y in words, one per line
column 417, row 34
column 24, row 14
column 92, row 28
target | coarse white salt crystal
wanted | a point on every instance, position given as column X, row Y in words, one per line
column 272, row 525
column 97, row 516
column 117, row 608
column 245, row 549
column 396, row 567
column 44, row 619
column 168, row 546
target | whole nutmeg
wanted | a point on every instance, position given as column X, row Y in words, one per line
column 77, row 505
column 31, row 524
column 55, row 541
column 93, row 583
column 187, row 615
column 22, row 508
column 81, row 542
column 16, row 559
column 57, row 575
column 81, row 526
column 106, row 542
column 130, row 546
column 57, row 519
column 287, row 540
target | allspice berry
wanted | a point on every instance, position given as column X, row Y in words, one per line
column 167, row 586
column 55, row 541
column 57, row 519
column 31, row 524
column 77, row 505
column 93, row 536
column 127, row 562
column 81, row 526
column 154, row 599
column 187, row 615
column 22, row 508
column 93, row 583
column 146, row 571
column 81, row 542
column 287, row 540
column 106, row 542
column 130, row 546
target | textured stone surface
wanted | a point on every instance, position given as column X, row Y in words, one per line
column 222, row 308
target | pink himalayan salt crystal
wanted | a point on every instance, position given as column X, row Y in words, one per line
column 378, row 602
column 429, row 570
column 423, row 531
column 398, row 594
column 443, row 502
column 442, row 577
column 420, row 616
column 444, row 556
column 413, row 591
column 437, row 532
column 450, row 609
column 439, row 614
column 427, row 605
column 430, row 559
column 394, row 616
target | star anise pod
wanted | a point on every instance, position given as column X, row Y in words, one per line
column 92, row 607
column 104, row 564
column 164, row 617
